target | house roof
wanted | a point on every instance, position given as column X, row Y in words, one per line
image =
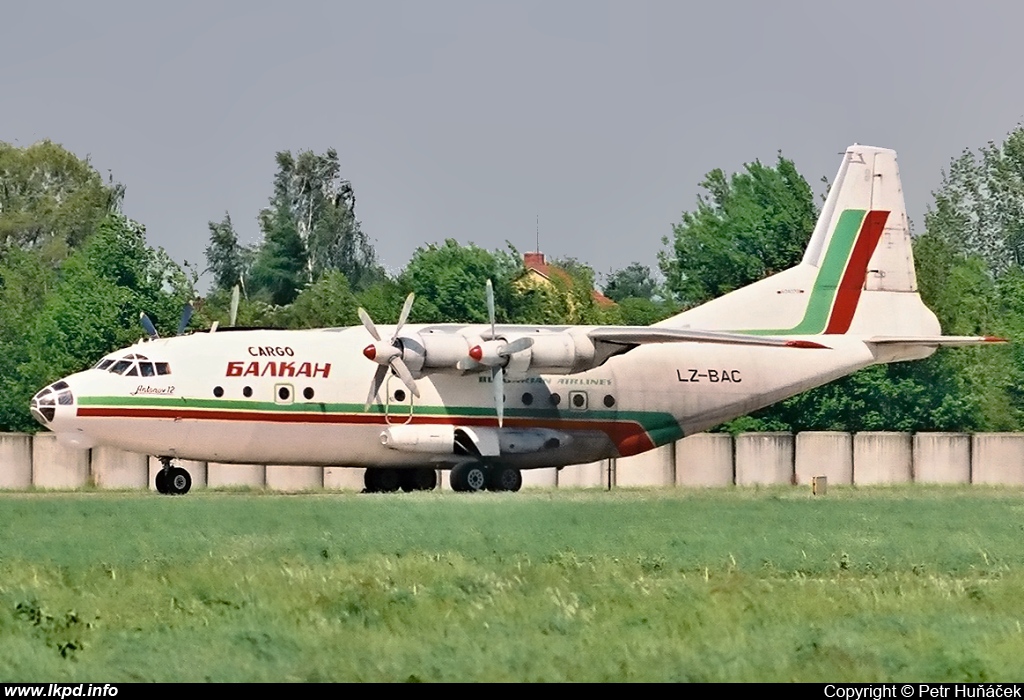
column 535, row 262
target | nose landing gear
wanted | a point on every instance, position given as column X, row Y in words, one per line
column 171, row 480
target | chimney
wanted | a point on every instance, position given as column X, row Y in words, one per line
column 533, row 261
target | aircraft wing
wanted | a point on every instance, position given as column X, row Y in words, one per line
column 616, row 340
column 936, row 340
column 632, row 336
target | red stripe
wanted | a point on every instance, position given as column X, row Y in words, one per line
column 848, row 294
column 629, row 436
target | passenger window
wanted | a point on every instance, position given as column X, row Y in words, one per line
column 163, row 368
column 147, row 369
column 120, row 366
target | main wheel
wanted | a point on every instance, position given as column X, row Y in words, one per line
column 161, row 481
column 468, row 477
column 419, row 479
column 504, row 479
column 379, row 480
column 179, row 481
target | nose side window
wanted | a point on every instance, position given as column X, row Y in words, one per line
column 163, row 368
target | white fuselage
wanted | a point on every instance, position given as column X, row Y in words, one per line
column 297, row 397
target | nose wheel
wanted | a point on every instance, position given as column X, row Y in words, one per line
column 171, row 480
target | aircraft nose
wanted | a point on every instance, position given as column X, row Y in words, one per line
column 45, row 403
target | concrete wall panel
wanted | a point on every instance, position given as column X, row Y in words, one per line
column 828, row 454
column 197, row 470
column 540, row 478
column 55, row 466
column 882, row 458
column 998, row 458
column 764, row 458
column 344, row 478
column 116, row 469
column 219, row 474
column 15, row 461
column 705, row 459
column 290, row 478
column 652, row 468
column 584, row 476
column 942, row 458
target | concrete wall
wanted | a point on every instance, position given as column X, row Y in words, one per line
column 705, row 459
column 942, row 458
column 288, row 478
column 343, row 478
column 116, row 469
column 652, row 468
column 55, row 466
column 251, row 475
column 825, row 454
column 882, row 458
column 764, row 458
column 15, row 461
column 586, row 476
column 998, row 458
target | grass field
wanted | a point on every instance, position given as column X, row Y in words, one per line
column 907, row 583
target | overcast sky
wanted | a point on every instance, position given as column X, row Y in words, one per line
column 467, row 120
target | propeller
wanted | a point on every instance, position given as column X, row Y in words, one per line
column 186, row 316
column 387, row 354
column 495, row 353
column 148, row 326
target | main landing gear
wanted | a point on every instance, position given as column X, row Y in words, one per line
column 173, row 481
column 387, row 480
column 477, row 477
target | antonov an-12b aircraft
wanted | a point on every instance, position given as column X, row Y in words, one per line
column 487, row 401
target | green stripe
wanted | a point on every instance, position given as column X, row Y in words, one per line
column 823, row 294
column 662, row 427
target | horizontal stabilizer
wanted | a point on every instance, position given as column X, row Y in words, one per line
column 936, row 340
column 643, row 335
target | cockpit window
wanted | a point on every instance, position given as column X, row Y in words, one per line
column 103, row 364
column 133, row 372
column 146, row 369
column 163, row 368
column 120, row 366
column 134, row 366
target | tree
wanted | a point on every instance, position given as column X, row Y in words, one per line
column 450, row 283
column 746, row 227
column 228, row 260
column 310, row 195
column 89, row 308
column 979, row 207
column 279, row 272
column 50, row 199
column 634, row 280
column 327, row 303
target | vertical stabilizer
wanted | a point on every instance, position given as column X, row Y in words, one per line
column 856, row 275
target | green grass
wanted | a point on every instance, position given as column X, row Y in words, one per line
column 908, row 583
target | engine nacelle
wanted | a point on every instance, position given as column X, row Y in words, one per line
column 553, row 352
column 432, row 439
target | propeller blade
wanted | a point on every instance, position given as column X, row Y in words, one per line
column 405, row 375
column 490, row 305
column 498, row 384
column 368, row 323
column 404, row 316
column 517, row 345
column 235, row 296
column 186, row 316
column 378, row 379
column 148, row 326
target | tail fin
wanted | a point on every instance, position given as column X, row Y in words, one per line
column 857, row 274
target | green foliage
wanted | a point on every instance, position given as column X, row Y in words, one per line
column 715, row 586
column 749, row 226
column 228, row 260
column 633, row 281
column 328, row 303
column 279, row 271
column 979, row 207
column 450, row 283
column 91, row 308
column 50, row 199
